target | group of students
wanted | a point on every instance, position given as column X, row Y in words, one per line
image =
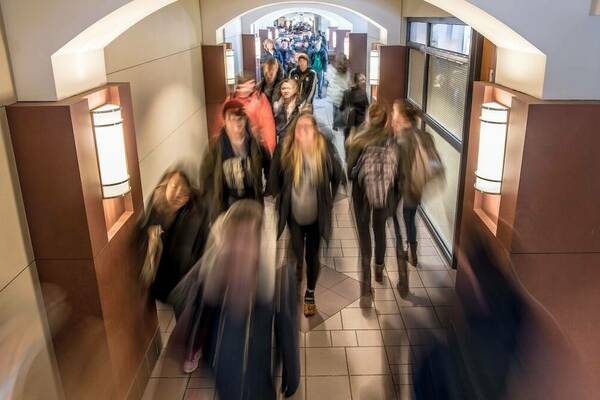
column 209, row 255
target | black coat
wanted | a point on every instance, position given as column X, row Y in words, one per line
column 357, row 102
column 280, row 186
column 283, row 122
column 307, row 84
column 183, row 244
column 212, row 182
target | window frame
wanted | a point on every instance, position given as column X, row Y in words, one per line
column 460, row 145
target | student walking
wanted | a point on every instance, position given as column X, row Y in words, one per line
column 305, row 175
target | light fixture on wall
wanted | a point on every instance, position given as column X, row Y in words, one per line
column 230, row 66
column 110, row 147
column 347, row 46
column 492, row 144
column 374, row 67
column 270, row 34
column 334, row 40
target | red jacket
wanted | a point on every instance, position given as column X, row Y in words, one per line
column 260, row 114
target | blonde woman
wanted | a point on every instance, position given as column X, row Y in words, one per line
column 287, row 108
column 305, row 175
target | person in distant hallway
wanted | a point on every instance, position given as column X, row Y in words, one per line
column 355, row 102
column 268, row 51
column 258, row 109
column 234, row 163
column 176, row 223
column 318, row 62
column 286, row 57
column 286, row 108
column 339, row 82
column 270, row 85
column 306, row 78
column 305, row 175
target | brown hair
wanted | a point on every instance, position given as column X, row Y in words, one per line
column 267, row 41
column 410, row 112
column 374, row 128
column 291, row 155
column 341, row 64
column 270, row 63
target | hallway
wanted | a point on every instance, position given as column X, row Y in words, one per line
column 346, row 352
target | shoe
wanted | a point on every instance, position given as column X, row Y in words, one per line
column 413, row 254
column 190, row 366
column 379, row 272
column 402, row 284
column 310, row 308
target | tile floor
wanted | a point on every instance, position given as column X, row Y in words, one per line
column 347, row 352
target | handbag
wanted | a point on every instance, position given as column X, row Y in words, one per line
column 427, row 165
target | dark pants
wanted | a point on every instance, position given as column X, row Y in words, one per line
column 320, row 75
column 363, row 212
column 305, row 244
column 409, row 214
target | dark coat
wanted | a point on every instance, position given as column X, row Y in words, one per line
column 280, row 186
column 307, row 84
column 283, row 122
column 409, row 146
column 211, row 173
column 322, row 54
column 183, row 244
column 356, row 101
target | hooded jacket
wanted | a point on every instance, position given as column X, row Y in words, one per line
column 307, row 84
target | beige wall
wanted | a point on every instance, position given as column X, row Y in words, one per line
column 421, row 8
column 162, row 59
column 22, row 314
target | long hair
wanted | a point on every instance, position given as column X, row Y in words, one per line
column 291, row 155
column 374, row 128
column 410, row 112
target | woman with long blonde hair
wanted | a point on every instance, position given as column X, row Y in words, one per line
column 305, row 175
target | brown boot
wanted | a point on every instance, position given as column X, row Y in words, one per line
column 366, row 292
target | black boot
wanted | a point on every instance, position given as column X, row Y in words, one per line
column 366, row 292
column 379, row 272
column 402, row 285
column 413, row 254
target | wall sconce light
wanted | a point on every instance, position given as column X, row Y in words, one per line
column 492, row 144
column 270, row 34
column 374, row 67
column 334, row 40
column 230, row 66
column 110, row 147
column 347, row 46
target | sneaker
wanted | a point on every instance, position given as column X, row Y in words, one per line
column 190, row 366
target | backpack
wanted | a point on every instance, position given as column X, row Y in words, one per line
column 426, row 166
column 377, row 173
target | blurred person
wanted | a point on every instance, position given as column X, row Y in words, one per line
column 239, row 309
column 299, row 47
column 176, row 222
column 306, row 78
column 268, row 51
column 258, row 109
column 339, row 81
column 234, row 163
column 375, row 167
column 305, row 176
column 355, row 103
column 422, row 165
column 286, row 108
column 271, row 83
column 318, row 62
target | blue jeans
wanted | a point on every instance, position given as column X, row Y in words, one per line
column 321, row 77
